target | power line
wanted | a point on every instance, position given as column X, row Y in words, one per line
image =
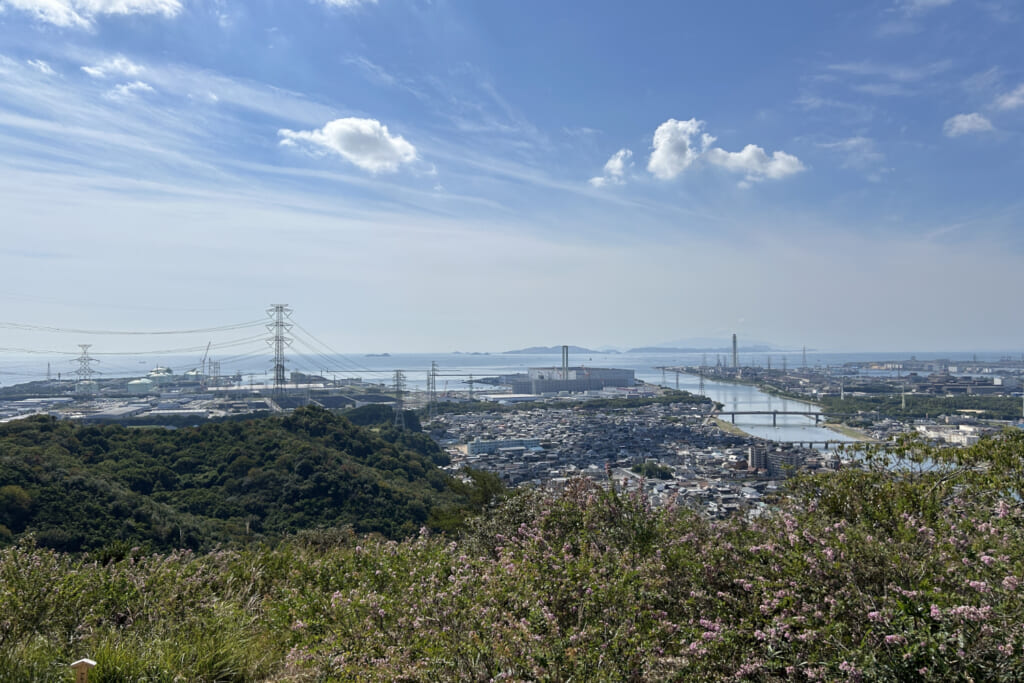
column 69, row 330
column 354, row 364
column 189, row 349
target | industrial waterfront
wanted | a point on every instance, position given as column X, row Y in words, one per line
column 460, row 373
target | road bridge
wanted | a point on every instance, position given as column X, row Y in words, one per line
column 818, row 416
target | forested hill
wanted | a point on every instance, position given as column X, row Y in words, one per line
column 80, row 487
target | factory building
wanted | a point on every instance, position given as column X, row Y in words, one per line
column 574, row 379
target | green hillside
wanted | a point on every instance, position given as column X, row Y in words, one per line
column 88, row 487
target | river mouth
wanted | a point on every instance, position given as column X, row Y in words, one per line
column 770, row 425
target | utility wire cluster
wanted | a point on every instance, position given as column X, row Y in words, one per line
column 314, row 357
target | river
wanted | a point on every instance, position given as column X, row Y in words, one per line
column 732, row 396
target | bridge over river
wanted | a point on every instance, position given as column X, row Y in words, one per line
column 818, row 416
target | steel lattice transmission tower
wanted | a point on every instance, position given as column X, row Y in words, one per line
column 432, row 391
column 85, row 371
column 279, row 314
column 399, row 407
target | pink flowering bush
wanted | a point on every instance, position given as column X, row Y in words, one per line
column 908, row 569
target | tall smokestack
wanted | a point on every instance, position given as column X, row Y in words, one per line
column 565, row 362
column 735, row 355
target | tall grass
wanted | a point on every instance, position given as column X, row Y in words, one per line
column 862, row 575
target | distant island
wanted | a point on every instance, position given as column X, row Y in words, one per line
column 538, row 350
column 378, row 355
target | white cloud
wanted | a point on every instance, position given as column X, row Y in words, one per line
column 127, row 90
column 118, row 65
column 41, row 66
column 364, row 142
column 678, row 145
column 168, row 8
column 860, row 153
column 963, row 124
column 616, row 165
column 675, row 147
column 614, row 169
column 885, row 89
column 81, row 13
column 755, row 163
column 920, row 6
column 1012, row 99
column 893, row 72
column 347, row 3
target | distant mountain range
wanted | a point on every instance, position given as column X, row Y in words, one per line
column 694, row 345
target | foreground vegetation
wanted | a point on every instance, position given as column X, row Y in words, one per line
column 909, row 570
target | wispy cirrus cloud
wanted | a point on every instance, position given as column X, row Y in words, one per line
column 899, row 73
column 906, row 15
column 888, row 80
column 41, row 66
column 1011, row 100
column 859, row 153
column 118, row 65
column 377, row 74
column 346, row 4
column 83, row 13
column 921, row 6
column 128, row 90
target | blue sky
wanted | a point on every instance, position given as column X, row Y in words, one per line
column 436, row 175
